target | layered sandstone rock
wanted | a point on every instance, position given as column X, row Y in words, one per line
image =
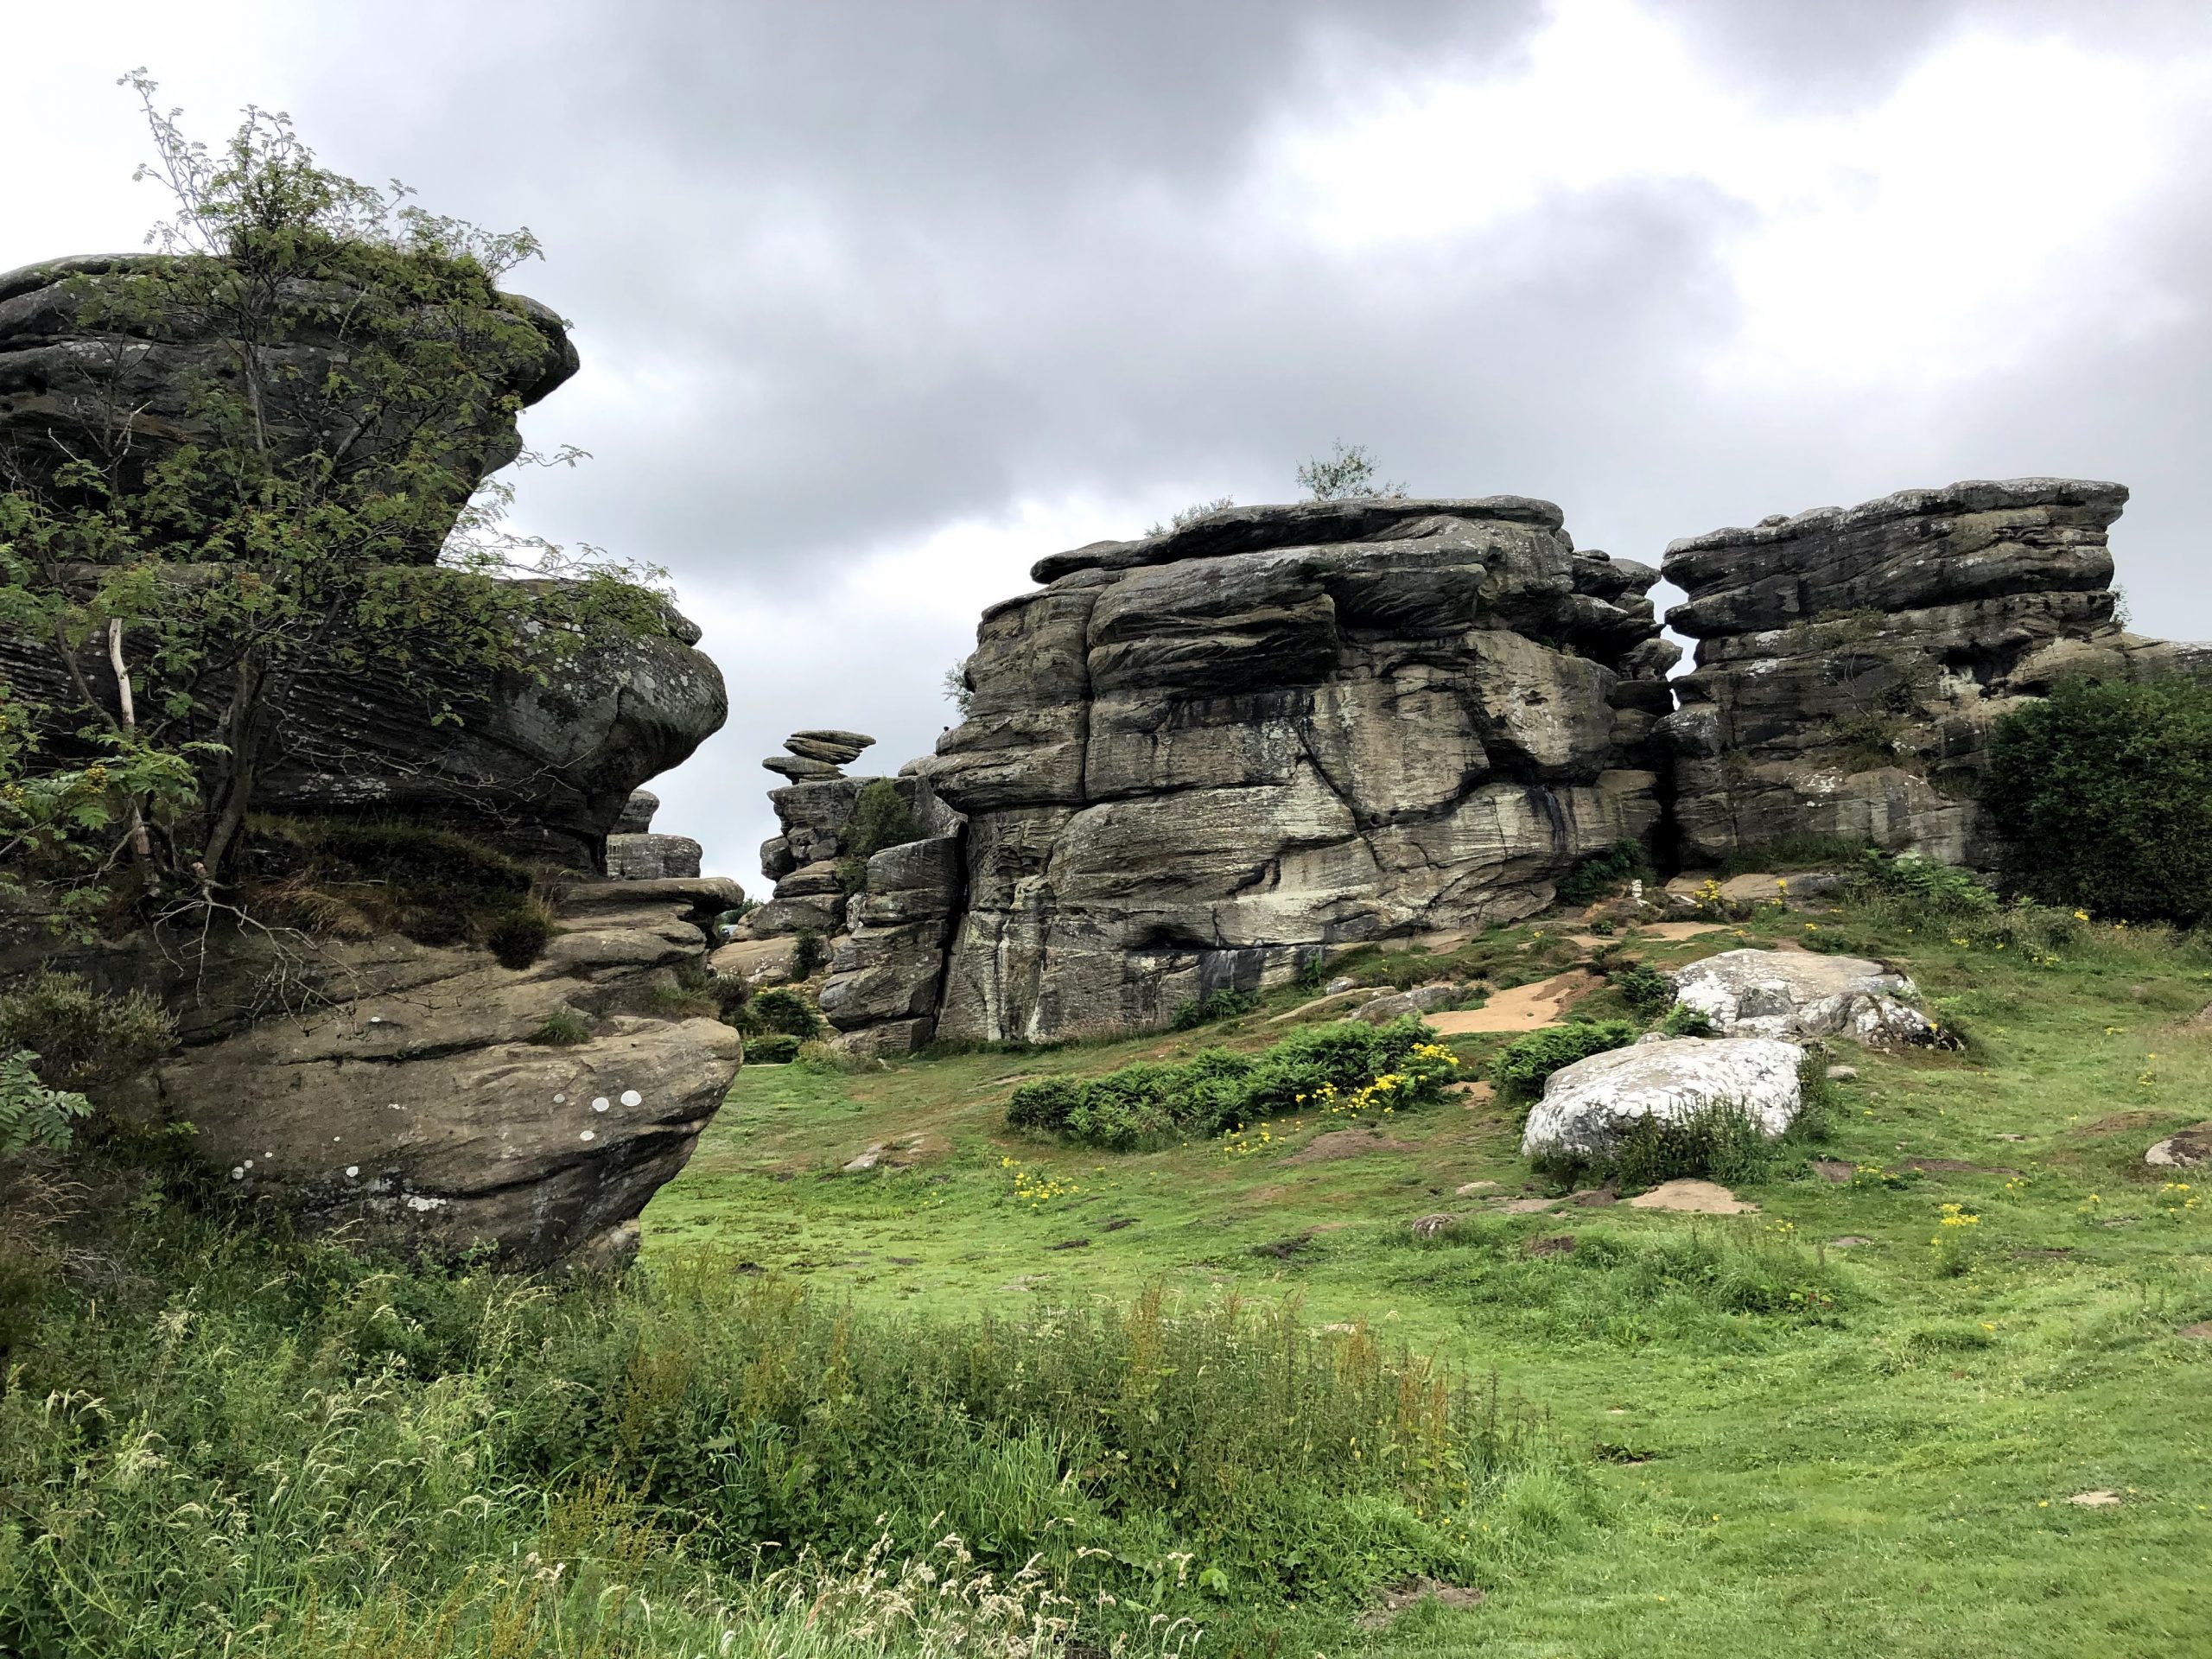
column 427, row 1093
column 1852, row 662
column 1192, row 761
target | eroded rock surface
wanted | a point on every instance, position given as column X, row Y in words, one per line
column 1852, row 661
column 1192, row 761
column 1589, row 1105
column 413, row 1089
column 1797, row 996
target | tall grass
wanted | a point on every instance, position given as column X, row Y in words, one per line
column 268, row 1448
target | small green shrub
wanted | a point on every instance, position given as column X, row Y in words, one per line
column 2102, row 794
column 1794, row 852
column 1719, row 1142
column 1339, row 1068
column 1921, row 888
column 82, row 1037
column 563, row 1028
column 1683, row 1021
column 1648, row 992
column 32, row 1115
column 809, row 954
column 783, row 1011
column 1214, row 1007
column 775, row 1048
column 1312, row 973
column 519, row 934
column 1522, row 1068
column 1601, row 873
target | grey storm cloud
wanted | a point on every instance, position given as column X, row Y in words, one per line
column 846, row 277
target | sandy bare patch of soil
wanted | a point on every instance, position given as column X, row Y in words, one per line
column 1835, row 1170
column 2200, row 1331
column 2096, row 1500
column 1525, row 1007
column 1472, row 1095
column 1400, row 1596
column 1345, row 1143
column 2120, row 1122
column 1693, row 1199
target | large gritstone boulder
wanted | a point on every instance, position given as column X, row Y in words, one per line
column 1195, row 761
column 1588, row 1106
column 1798, row 996
column 1852, row 662
column 430, row 1093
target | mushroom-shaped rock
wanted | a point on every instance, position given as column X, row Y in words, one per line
column 1798, row 995
column 838, row 748
column 638, row 811
column 1588, row 1106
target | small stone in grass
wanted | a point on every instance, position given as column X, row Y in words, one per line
column 1473, row 1187
column 1430, row 1226
column 1849, row 1241
column 1843, row 1074
column 2096, row 1500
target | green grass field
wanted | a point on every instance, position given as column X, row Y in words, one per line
column 1787, row 1433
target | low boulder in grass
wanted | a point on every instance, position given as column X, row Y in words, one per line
column 1798, row 996
column 1589, row 1106
column 1419, row 1001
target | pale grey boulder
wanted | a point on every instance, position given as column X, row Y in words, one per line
column 1798, row 995
column 1588, row 1106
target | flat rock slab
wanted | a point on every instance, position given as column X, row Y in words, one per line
column 1524, row 1008
column 2096, row 1500
column 1834, row 1171
column 2191, row 1148
column 1798, row 995
column 1530, row 1207
column 1693, row 1199
column 1589, row 1105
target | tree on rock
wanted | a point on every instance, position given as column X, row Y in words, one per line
column 250, row 458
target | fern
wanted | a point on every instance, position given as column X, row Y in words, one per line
column 32, row 1115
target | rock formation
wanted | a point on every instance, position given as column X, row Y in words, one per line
column 1851, row 662
column 430, row 1093
column 1194, row 760
column 1800, row 997
column 424, row 1088
column 634, row 852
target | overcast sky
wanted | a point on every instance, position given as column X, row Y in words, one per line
column 879, row 301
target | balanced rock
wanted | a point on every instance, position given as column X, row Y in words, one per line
column 638, row 811
column 1588, row 1106
column 1799, row 996
column 1191, row 760
column 839, row 748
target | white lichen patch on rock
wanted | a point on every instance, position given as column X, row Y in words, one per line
column 1589, row 1105
column 1798, row 995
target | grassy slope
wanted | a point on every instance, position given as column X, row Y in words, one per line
column 1889, row 1477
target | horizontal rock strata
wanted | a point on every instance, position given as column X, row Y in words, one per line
column 1852, row 662
column 1193, row 761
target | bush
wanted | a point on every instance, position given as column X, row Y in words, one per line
column 809, row 956
column 784, row 1012
column 1343, row 1069
column 518, row 934
column 1212, row 1007
column 32, row 1115
column 1720, row 1142
column 2102, row 795
column 774, row 1049
column 880, row 818
column 1683, row 1021
column 1648, row 992
column 1908, row 885
column 1599, row 874
column 1523, row 1067
column 83, row 1037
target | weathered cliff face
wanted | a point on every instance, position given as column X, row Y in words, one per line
column 398, row 1087
column 1852, row 662
column 1192, row 760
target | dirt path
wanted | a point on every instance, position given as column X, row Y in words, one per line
column 1525, row 1007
